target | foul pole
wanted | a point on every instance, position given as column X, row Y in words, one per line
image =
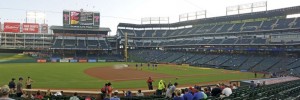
column 125, row 47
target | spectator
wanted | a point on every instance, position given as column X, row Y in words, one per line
column 222, row 86
column 12, row 86
column 20, row 87
column 115, row 97
column 127, row 94
column 149, row 83
column 48, row 93
column 106, row 97
column 192, row 90
column 216, row 91
column 178, row 95
column 258, row 84
column 4, row 93
column 88, row 98
column 59, row 93
column 234, row 86
column 227, row 91
column 187, row 95
column 140, row 94
column 161, row 87
column 27, row 95
column 264, row 83
column 74, row 97
column 182, row 93
column 170, row 84
column 199, row 94
column 28, row 83
column 207, row 92
column 109, row 89
column 171, row 90
column 38, row 95
column 252, row 85
column 103, row 91
column 209, row 88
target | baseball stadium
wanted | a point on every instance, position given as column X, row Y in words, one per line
column 246, row 54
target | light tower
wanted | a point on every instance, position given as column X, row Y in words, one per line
column 125, row 47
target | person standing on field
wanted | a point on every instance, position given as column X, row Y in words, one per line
column 28, row 83
column 152, row 66
column 148, row 65
column 141, row 66
column 161, row 87
column 149, row 82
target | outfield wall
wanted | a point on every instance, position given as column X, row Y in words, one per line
column 68, row 60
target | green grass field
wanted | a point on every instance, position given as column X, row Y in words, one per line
column 72, row 76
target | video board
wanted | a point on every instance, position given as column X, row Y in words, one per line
column 80, row 19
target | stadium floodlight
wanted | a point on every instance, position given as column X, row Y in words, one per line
column 155, row 20
column 192, row 15
column 250, row 6
column 35, row 16
column 232, row 8
column 260, row 4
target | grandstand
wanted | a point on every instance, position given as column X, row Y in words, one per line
column 83, row 44
column 222, row 42
column 264, row 42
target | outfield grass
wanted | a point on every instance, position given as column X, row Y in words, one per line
column 13, row 56
column 72, row 76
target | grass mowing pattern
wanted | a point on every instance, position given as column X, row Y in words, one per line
column 72, row 76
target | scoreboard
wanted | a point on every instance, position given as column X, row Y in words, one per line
column 80, row 19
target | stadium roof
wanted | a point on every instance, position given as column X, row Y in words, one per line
column 261, row 14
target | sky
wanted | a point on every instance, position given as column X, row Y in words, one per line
column 113, row 12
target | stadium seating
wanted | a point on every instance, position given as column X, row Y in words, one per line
column 229, row 41
column 228, row 61
column 296, row 23
column 251, row 26
column 284, row 23
column 251, row 62
column 68, row 43
column 92, row 42
column 139, row 33
column 219, row 60
column 159, row 33
column 225, row 28
column 214, row 29
column 236, row 27
column 81, row 44
column 282, row 63
column 103, row 44
column 267, row 25
column 244, row 41
column 57, row 43
column 235, row 62
column 266, row 64
column 259, row 41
